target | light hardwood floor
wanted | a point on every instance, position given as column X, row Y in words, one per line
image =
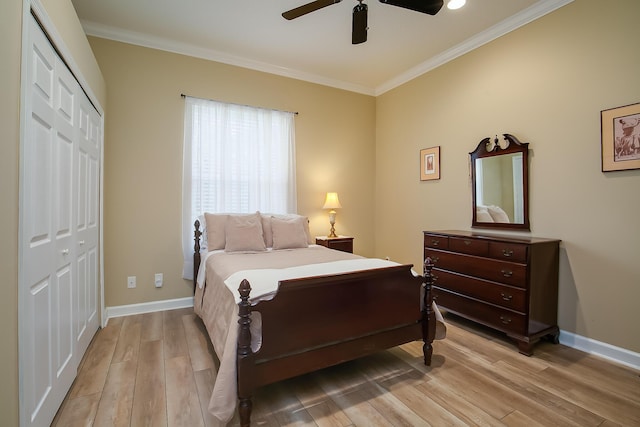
column 158, row 369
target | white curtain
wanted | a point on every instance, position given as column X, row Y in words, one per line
column 237, row 159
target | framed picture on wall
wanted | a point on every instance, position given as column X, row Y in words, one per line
column 430, row 163
column 620, row 138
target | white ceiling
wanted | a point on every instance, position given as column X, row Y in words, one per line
column 401, row 45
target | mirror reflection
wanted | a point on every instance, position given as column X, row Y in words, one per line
column 499, row 189
column 500, row 184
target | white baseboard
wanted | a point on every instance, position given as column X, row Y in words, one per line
column 597, row 348
column 602, row 349
column 148, row 307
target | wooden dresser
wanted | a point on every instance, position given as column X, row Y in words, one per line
column 507, row 283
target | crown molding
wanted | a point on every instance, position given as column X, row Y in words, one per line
column 131, row 37
column 528, row 15
column 514, row 22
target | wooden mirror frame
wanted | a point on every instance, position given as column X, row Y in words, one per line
column 489, row 148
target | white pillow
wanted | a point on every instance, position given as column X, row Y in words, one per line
column 243, row 233
column 267, row 228
column 289, row 233
column 498, row 214
column 215, row 224
column 482, row 214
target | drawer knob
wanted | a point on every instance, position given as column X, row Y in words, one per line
column 505, row 320
column 435, row 242
column 507, row 273
column 507, row 252
column 506, row 297
column 467, row 242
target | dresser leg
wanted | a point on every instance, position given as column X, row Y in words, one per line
column 525, row 344
column 525, row 348
column 555, row 336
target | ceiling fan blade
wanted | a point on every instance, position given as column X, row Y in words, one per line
column 308, row 8
column 359, row 25
column 430, row 7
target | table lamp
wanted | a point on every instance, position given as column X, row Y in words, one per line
column 332, row 202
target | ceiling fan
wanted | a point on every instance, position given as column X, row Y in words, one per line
column 359, row 23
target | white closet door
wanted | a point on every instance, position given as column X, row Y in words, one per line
column 87, row 224
column 55, row 271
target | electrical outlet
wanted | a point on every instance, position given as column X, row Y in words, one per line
column 158, row 280
column 131, row 282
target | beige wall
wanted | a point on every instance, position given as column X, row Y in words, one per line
column 143, row 158
column 66, row 23
column 546, row 83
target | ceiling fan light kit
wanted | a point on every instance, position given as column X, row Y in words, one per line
column 456, row 4
column 359, row 23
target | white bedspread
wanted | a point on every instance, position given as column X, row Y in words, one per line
column 216, row 300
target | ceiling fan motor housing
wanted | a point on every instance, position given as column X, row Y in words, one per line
column 359, row 24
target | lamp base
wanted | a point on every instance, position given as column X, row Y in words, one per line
column 332, row 221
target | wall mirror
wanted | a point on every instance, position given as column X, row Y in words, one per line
column 500, row 183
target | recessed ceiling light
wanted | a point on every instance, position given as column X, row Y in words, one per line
column 456, row 4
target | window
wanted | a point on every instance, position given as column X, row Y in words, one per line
column 237, row 159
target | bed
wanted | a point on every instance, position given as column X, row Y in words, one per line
column 298, row 307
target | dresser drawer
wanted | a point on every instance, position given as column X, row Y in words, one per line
column 509, row 273
column 495, row 293
column 434, row 241
column 487, row 314
column 508, row 251
column 469, row 246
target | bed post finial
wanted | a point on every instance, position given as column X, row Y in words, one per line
column 244, row 313
column 196, row 236
column 244, row 350
column 429, row 317
column 196, row 252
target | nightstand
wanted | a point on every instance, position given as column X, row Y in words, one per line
column 340, row 243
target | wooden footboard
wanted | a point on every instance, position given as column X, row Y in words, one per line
column 316, row 322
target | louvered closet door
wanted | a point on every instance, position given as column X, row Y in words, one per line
column 56, row 306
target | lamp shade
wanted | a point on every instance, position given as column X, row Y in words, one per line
column 332, row 202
